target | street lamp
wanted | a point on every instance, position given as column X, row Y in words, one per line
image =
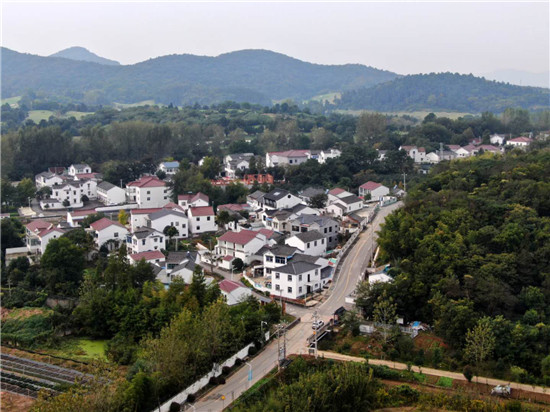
column 262, row 328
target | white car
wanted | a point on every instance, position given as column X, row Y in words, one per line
column 317, row 324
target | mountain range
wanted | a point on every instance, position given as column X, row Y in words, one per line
column 254, row 76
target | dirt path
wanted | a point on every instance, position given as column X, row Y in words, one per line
column 438, row 372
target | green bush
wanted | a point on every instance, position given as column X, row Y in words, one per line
column 445, row 382
column 405, row 393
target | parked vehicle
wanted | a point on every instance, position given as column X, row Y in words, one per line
column 317, row 324
column 502, row 390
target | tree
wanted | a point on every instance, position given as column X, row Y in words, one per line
column 223, row 217
column 66, row 203
column 318, row 201
column 211, row 167
column 44, row 193
column 25, row 191
column 480, row 341
column 123, row 217
column 385, row 313
column 171, row 231
column 468, row 373
column 238, row 264
column 369, row 125
column 62, row 264
column 88, row 220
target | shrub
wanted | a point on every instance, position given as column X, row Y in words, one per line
column 174, row 407
column 221, row 380
column 238, row 362
column 191, row 398
column 252, row 351
column 226, row 370
column 445, row 382
column 406, row 393
column 468, row 373
column 213, row 380
column 514, row 406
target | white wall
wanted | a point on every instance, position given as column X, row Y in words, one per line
column 295, row 282
column 313, row 248
column 201, row 224
column 113, row 232
column 179, row 222
column 149, row 197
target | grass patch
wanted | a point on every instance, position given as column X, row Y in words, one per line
column 38, row 115
column 12, row 101
column 330, row 97
column 445, row 382
column 77, row 115
column 420, row 115
column 79, row 349
column 27, row 326
column 420, row 377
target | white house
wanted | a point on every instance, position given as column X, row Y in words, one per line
column 75, row 217
column 345, row 205
column 255, row 199
column 280, row 199
column 441, row 155
column 152, row 256
column 276, row 256
column 147, row 192
column 69, row 193
column 144, row 239
column 294, row 280
column 184, row 269
column 520, row 142
column 170, row 168
column 39, row 233
column 243, row 245
column 78, row 169
column 324, row 155
column 109, row 194
column 47, row 179
column 236, row 162
column 193, row 200
column 202, row 219
column 467, row 151
column 497, row 139
column 373, row 190
column 310, row 243
column 139, row 217
column 234, row 292
column 289, row 157
column 322, row 224
column 337, row 193
column 167, row 217
column 418, row 154
column 109, row 233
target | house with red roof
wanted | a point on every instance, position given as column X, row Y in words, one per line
column 108, row 233
column 337, row 193
column 287, row 158
column 188, row 200
column 373, row 190
column 418, row 154
column 151, row 256
column 38, row 235
column 148, row 192
column 521, row 141
column 202, row 219
column 243, row 245
column 234, row 292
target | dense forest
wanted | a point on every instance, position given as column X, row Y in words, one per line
column 255, row 76
column 445, row 92
column 470, row 253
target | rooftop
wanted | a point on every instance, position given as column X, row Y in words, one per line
column 105, row 223
column 348, row 200
column 276, row 194
column 149, row 255
column 295, row 268
column 166, row 212
column 201, row 211
column 309, row 236
column 147, row 181
column 370, row 185
column 229, row 286
column 240, row 238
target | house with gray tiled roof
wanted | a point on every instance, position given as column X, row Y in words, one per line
column 311, row 243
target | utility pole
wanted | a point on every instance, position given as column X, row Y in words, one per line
column 281, row 349
column 315, row 330
column 405, row 182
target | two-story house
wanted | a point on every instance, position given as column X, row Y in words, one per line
column 296, row 279
column 108, row 233
column 147, row 192
column 310, row 243
column 280, row 199
column 202, row 219
column 373, row 191
column 243, row 245
column 78, row 169
column 151, row 256
column 193, row 200
column 109, row 194
column 64, row 195
column 236, row 162
column 345, row 205
column 337, row 193
column 168, row 217
column 418, row 154
column 38, row 234
column 48, row 179
column 144, row 239
column 276, row 256
column 170, row 168
column 322, row 224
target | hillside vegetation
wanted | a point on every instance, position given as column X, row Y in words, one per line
column 445, row 91
column 472, row 247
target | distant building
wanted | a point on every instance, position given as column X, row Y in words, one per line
column 373, row 190
column 147, row 192
column 170, row 168
column 520, row 142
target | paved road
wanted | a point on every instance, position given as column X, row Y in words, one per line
column 351, row 270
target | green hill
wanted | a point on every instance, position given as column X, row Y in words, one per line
column 255, row 76
column 82, row 54
column 444, row 92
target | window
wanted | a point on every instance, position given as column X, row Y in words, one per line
column 268, row 271
column 277, row 287
column 148, row 198
column 325, row 230
column 198, row 219
column 300, row 278
column 198, row 228
column 143, row 242
column 279, row 259
column 277, row 275
column 289, row 289
column 177, row 224
column 322, row 241
column 269, row 258
column 208, row 218
column 183, row 226
column 300, row 289
column 289, row 278
column 148, row 192
column 115, row 234
column 330, row 229
column 330, row 239
column 156, row 240
column 307, row 245
column 316, row 272
column 315, row 243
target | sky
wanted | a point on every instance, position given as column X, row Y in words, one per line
column 407, row 38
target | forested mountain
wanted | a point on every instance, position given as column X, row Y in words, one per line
column 445, row 92
column 82, row 54
column 255, row 76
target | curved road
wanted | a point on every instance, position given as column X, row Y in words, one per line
column 350, row 272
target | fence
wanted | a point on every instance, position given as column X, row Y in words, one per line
column 201, row 383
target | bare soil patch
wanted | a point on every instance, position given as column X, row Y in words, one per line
column 15, row 403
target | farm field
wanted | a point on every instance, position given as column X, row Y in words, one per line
column 420, row 115
column 38, row 115
column 12, row 101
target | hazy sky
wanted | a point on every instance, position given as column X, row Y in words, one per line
column 402, row 37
